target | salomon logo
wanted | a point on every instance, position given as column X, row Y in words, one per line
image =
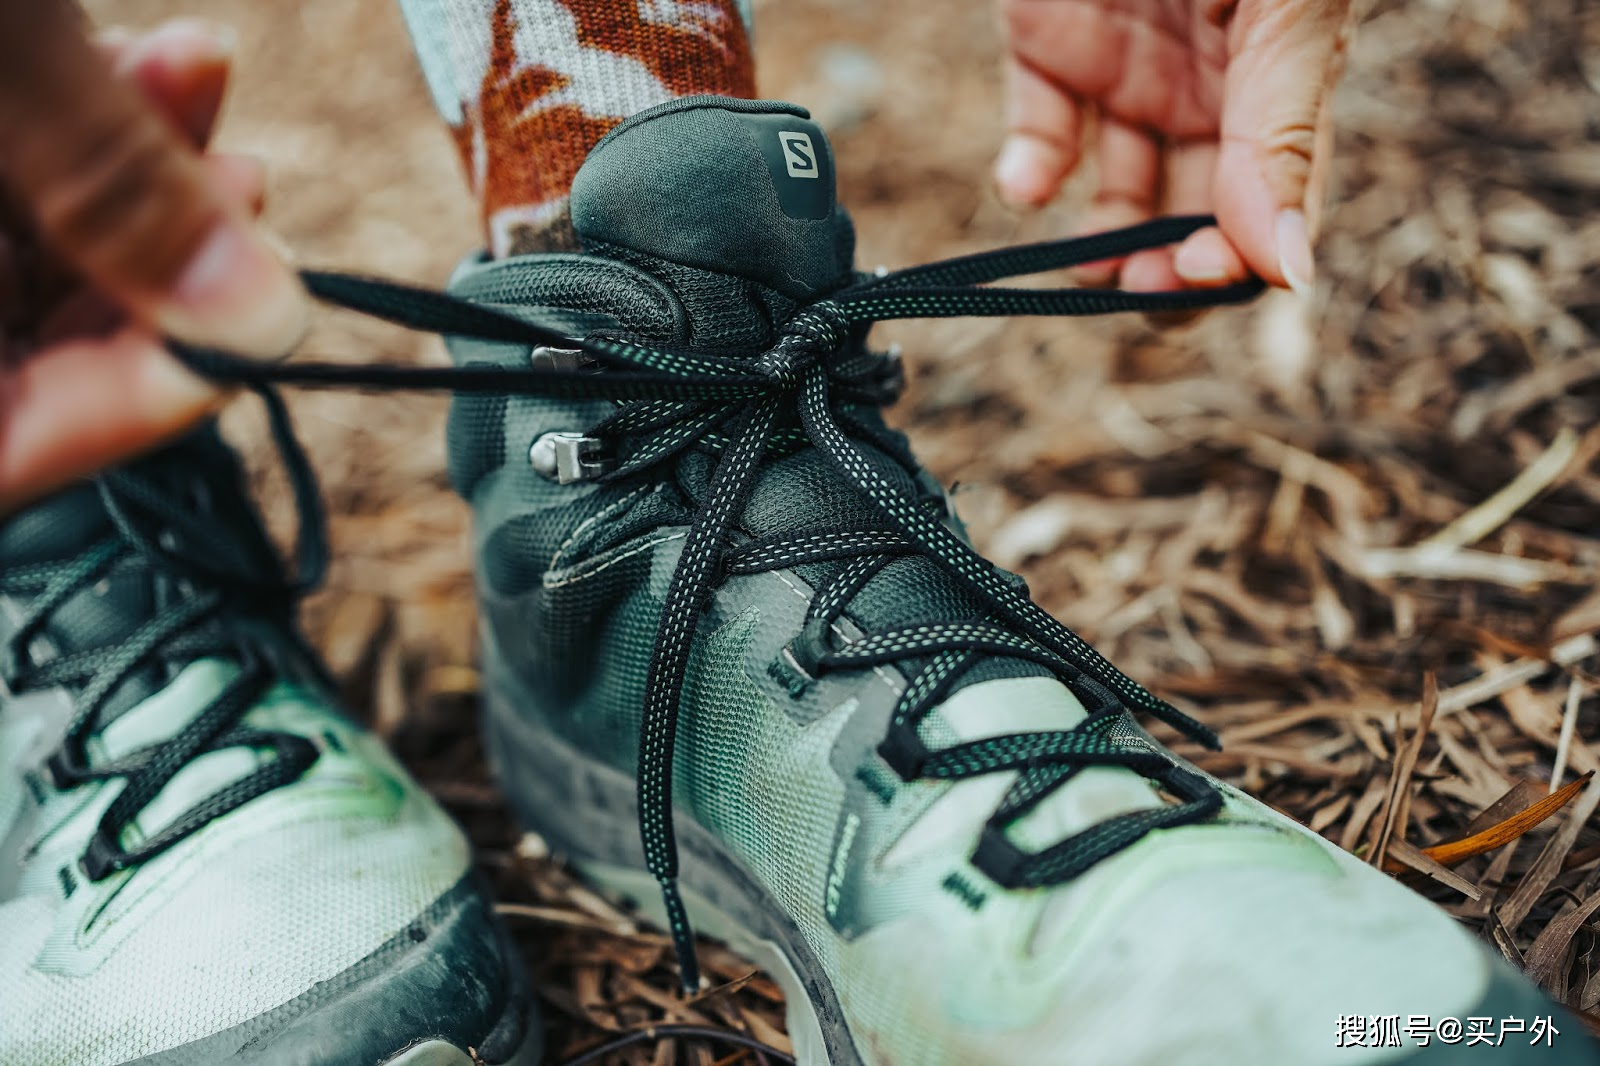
column 799, row 154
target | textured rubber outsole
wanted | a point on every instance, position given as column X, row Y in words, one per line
column 587, row 812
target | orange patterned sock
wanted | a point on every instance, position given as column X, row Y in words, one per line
column 529, row 86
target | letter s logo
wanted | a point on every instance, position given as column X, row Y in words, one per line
column 799, row 154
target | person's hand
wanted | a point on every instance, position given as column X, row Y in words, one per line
column 1197, row 107
column 115, row 230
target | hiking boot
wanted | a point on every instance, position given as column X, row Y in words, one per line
column 743, row 666
column 201, row 861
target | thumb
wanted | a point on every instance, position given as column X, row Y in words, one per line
column 116, row 191
column 1285, row 57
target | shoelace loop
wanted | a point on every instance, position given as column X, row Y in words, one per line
column 815, row 332
column 742, row 409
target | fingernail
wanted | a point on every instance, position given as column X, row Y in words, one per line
column 223, row 36
column 1294, row 251
column 114, row 36
column 1202, row 261
column 221, row 40
column 192, row 38
column 1016, row 172
column 236, row 294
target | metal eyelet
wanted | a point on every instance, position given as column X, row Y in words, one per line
column 546, row 358
column 570, row 457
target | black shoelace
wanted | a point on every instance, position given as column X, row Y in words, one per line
column 155, row 532
column 805, row 391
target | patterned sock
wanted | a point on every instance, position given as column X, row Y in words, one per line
column 529, row 86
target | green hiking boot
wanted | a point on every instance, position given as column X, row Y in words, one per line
column 201, row 861
column 741, row 616
column 913, row 796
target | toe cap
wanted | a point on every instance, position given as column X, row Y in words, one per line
column 450, row 975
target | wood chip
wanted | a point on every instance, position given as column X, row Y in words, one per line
column 1508, row 829
column 1406, row 856
column 1397, row 800
column 1541, row 959
column 1498, row 509
column 1545, row 868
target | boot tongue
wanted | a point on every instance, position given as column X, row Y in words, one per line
column 58, row 529
column 737, row 187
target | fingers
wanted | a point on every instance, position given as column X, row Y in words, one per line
column 242, row 177
column 88, row 313
column 1129, row 190
column 1043, row 134
column 94, row 389
column 1285, row 61
column 117, row 192
column 1205, row 259
column 87, row 403
column 182, row 66
column 1208, row 260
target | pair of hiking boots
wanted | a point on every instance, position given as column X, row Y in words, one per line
column 720, row 603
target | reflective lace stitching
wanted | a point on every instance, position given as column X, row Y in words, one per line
column 742, row 411
column 220, row 571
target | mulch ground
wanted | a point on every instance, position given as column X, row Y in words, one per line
column 1358, row 535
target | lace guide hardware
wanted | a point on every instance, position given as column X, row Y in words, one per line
column 63, row 772
column 102, row 857
column 997, row 858
column 903, row 751
column 544, row 357
column 789, row 673
column 570, row 457
column 1186, row 784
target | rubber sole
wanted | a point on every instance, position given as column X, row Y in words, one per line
column 440, row 1053
column 529, row 1051
column 587, row 812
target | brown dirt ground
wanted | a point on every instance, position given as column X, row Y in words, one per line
column 1285, row 519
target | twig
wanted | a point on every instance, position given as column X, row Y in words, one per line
column 1503, row 832
column 1402, row 853
column 1498, row 509
column 1548, row 864
column 1569, row 721
column 1396, row 808
column 1492, row 683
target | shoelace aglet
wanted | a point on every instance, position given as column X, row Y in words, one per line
column 682, row 936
